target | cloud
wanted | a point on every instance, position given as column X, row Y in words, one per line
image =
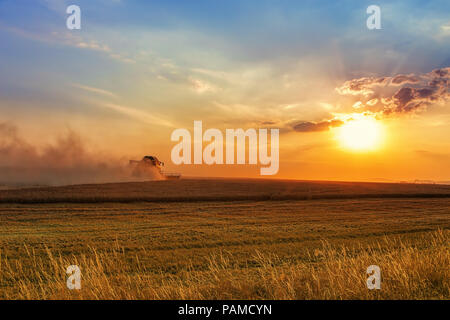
column 361, row 86
column 75, row 40
column 138, row 115
column 372, row 102
column 201, row 86
column 444, row 32
column 95, row 90
column 71, row 40
column 317, row 126
column 416, row 92
column 401, row 79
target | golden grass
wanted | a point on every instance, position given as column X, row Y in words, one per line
column 411, row 269
column 206, row 247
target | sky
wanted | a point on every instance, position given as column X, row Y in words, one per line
column 138, row 70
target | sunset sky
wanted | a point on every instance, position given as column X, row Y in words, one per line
column 137, row 70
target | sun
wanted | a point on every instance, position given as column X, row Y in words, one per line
column 360, row 134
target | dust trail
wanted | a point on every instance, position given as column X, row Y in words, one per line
column 66, row 161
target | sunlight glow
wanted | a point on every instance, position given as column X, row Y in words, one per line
column 360, row 134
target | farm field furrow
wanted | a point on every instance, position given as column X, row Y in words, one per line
column 230, row 249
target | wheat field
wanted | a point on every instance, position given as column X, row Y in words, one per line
column 234, row 249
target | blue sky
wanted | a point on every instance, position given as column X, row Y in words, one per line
column 145, row 67
column 124, row 37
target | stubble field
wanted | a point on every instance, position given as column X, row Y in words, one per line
column 226, row 239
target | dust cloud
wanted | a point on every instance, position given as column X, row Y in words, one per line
column 63, row 162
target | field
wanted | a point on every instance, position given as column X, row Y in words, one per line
column 226, row 239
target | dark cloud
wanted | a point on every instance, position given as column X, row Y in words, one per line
column 268, row 123
column 409, row 99
column 317, row 126
column 441, row 72
column 416, row 92
column 381, row 96
column 401, row 79
column 361, row 86
column 404, row 96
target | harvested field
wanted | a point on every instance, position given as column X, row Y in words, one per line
column 230, row 239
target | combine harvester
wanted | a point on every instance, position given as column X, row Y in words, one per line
column 148, row 166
